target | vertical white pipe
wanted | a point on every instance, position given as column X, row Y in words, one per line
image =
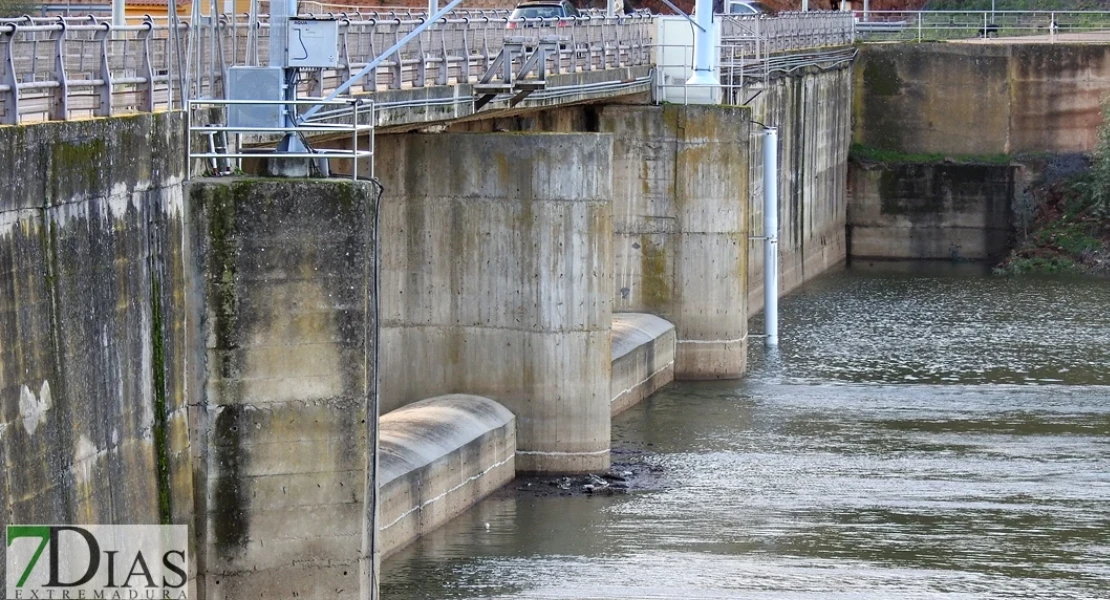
column 703, row 45
column 771, row 235
column 610, row 9
column 433, row 7
column 119, row 13
column 805, row 5
column 866, row 10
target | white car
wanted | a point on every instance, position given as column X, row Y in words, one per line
column 744, row 7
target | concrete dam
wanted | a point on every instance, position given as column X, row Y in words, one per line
column 225, row 352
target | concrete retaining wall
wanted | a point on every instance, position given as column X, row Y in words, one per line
column 497, row 275
column 680, row 185
column 980, row 99
column 93, row 426
column 439, row 457
column 643, row 358
column 935, row 211
column 812, row 110
column 281, row 281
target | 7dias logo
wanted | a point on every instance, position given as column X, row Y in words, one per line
column 97, row 562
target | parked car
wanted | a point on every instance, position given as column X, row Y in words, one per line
column 554, row 13
column 743, row 7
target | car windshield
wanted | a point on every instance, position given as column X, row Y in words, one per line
column 537, row 12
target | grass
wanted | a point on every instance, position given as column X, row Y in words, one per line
column 862, row 153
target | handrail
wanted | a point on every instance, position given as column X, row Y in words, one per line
column 1049, row 25
column 224, row 151
column 69, row 67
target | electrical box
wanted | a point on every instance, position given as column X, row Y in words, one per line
column 313, row 43
column 255, row 83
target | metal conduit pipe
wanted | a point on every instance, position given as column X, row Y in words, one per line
column 704, row 45
column 771, row 235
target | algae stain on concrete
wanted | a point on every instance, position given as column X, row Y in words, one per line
column 880, row 85
column 655, row 286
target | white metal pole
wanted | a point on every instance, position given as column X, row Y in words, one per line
column 703, row 45
column 771, row 235
column 610, row 9
column 119, row 13
column 866, row 10
column 805, row 5
column 433, row 7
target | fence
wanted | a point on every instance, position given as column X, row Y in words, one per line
column 57, row 69
column 1028, row 26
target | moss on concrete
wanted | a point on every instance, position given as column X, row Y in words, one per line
column 82, row 160
column 158, row 366
column 869, row 154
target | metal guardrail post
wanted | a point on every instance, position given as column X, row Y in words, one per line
column 105, row 88
column 59, row 108
column 147, row 67
column 422, row 60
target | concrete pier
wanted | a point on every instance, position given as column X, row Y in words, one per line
column 497, row 271
column 812, row 111
column 280, row 311
column 680, row 220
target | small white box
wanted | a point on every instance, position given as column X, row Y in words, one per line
column 313, row 43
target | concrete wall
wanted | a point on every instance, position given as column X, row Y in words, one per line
column 439, row 457
column 497, row 278
column 935, row 211
column 643, row 358
column 812, row 112
column 929, row 98
column 281, row 285
column 680, row 226
column 93, row 426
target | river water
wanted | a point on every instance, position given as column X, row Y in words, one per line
column 918, row 435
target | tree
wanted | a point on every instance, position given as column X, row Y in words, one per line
column 1100, row 165
column 18, row 8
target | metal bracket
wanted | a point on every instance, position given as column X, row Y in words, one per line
column 11, row 112
column 536, row 61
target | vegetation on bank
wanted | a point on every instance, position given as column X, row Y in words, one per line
column 18, row 8
column 1070, row 232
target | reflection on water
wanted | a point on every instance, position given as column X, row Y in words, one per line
column 917, row 435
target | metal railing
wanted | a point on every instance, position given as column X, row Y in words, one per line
column 787, row 32
column 753, row 49
column 58, row 69
column 65, row 68
column 209, row 120
column 1029, row 26
column 457, row 50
